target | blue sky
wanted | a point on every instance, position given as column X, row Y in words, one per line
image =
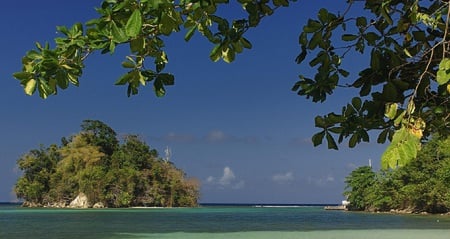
column 236, row 127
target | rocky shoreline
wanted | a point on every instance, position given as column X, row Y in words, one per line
column 403, row 211
column 80, row 202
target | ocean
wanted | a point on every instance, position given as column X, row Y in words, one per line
column 216, row 222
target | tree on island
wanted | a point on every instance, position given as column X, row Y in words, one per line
column 420, row 186
column 131, row 175
column 403, row 92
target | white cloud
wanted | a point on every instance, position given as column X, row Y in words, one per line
column 227, row 180
column 210, row 179
column 175, row 137
column 228, row 177
column 215, row 136
column 239, row 185
column 322, row 181
column 329, row 178
column 283, row 177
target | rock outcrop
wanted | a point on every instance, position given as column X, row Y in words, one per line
column 81, row 201
column 98, row 205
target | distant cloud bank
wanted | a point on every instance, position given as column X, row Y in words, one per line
column 283, row 177
column 213, row 136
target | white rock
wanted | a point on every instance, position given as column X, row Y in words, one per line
column 98, row 205
column 81, row 201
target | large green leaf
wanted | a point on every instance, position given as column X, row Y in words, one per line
column 118, row 34
column 402, row 150
column 134, row 24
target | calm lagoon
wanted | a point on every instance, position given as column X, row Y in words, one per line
column 218, row 221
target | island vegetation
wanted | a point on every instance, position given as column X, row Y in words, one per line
column 108, row 173
column 421, row 186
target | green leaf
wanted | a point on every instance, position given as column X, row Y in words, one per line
column 134, row 24
column 356, row 102
column 385, row 14
column 216, row 53
column 30, row 87
column 399, row 118
column 118, row 34
column 407, row 52
column 301, row 57
column 137, row 44
column 158, row 87
column 344, row 73
column 331, row 142
column 245, row 43
column 361, row 21
column 128, row 64
column 315, row 40
column 190, row 33
column 391, row 110
column 166, row 78
column 318, row 138
column 44, row 90
column 390, row 93
column 303, row 39
column 389, row 157
column 323, row 15
column 124, row 79
column 443, row 74
column 353, row 140
column 228, row 55
column 402, row 150
column 284, row 3
column 349, row 37
column 419, row 36
column 320, row 122
column 411, row 107
column 371, row 38
column 312, row 26
column 23, row 75
column 62, row 79
column 382, row 136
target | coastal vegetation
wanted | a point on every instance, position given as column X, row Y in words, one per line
column 420, row 186
column 401, row 91
column 93, row 163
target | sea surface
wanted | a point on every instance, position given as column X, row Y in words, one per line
column 216, row 221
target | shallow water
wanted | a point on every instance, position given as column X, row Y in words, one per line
column 333, row 234
column 216, row 222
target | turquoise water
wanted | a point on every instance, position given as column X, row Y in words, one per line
column 216, row 222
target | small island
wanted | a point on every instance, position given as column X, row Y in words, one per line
column 92, row 169
column 421, row 186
